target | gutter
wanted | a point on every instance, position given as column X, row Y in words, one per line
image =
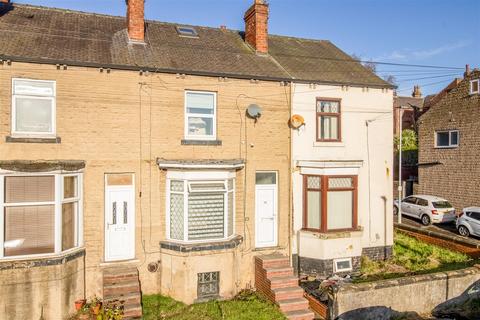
column 181, row 71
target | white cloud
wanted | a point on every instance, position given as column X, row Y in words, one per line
column 419, row 54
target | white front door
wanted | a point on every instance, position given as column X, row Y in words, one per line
column 119, row 223
column 266, row 209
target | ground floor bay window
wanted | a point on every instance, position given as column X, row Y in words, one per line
column 200, row 206
column 40, row 213
column 330, row 203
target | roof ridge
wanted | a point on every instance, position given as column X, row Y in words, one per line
column 65, row 10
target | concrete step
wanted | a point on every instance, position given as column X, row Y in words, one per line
column 278, row 272
column 300, row 315
column 287, row 293
column 272, row 261
column 283, row 282
column 293, row 304
column 133, row 311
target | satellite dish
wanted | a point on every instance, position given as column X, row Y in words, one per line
column 297, row 121
column 254, row 111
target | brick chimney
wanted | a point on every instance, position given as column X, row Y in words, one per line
column 256, row 26
column 467, row 71
column 136, row 20
column 416, row 92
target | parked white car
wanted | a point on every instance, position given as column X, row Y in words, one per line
column 468, row 222
column 428, row 209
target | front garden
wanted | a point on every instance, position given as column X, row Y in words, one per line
column 412, row 257
column 245, row 306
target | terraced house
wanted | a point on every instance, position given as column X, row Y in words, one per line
column 141, row 156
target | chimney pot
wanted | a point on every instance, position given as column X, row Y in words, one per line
column 5, row 1
column 417, row 93
column 136, row 20
column 256, row 26
column 467, row 70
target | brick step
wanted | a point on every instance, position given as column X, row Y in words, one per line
column 278, row 272
column 282, row 282
column 129, row 298
column 121, row 290
column 125, row 282
column 287, row 293
column 119, row 274
column 272, row 261
column 132, row 312
column 300, row 315
column 296, row 304
column 110, row 280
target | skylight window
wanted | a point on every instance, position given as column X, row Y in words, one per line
column 186, row 31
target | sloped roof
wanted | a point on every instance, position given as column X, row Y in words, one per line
column 40, row 34
column 401, row 101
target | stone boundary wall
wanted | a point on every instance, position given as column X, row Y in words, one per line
column 419, row 294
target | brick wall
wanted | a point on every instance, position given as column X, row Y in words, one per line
column 457, row 176
column 121, row 122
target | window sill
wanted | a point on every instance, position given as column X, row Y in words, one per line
column 449, row 147
column 328, row 144
column 197, row 247
column 335, row 234
column 11, row 139
column 189, row 142
column 26, row 262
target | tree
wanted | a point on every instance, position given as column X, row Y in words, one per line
column 409, row 141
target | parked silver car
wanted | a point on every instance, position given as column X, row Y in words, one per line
column 468, row 222
column 429, row 209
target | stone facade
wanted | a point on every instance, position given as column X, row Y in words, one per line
column 378, row 253
column 323, row 268
column 452, row 173
column 121, row 122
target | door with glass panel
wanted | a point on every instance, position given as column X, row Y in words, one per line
column 266, row 223
column 119, row 217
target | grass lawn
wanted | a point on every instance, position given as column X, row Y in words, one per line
column 245, row 306
column 411, row 256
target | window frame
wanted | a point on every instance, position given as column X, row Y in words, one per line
column 471, row 86
column 53, row 99
column 336, row 269
column 338, row 115
column 57, row 203
column 324, row 189
column 195, row 177
column 450, row 145
column 198, row 115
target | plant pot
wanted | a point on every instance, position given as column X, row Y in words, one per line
column 79, row 304
column 96, row 308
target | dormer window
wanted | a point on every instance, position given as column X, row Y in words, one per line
column 186, row 31
column 475, row 86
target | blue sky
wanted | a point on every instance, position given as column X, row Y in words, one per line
column 424, row 32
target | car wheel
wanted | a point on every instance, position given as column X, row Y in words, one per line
column 425, row 220
column 463, row 231
column 395, row 210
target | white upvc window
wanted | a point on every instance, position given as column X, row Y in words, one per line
column 342, row 265
column 200, row 208
column 475, row 86
column 33, row 107
column 447, row 139
column 200, row 115
column 40, row 214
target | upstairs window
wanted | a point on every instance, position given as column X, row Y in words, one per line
column 328, row 120
column 33, row 107
column 446, row 139
column 200, row 115
column 475, row 86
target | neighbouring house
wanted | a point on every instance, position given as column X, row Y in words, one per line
column 142, row 155
column 409, row 110
column 341, row 162
column 449, row 143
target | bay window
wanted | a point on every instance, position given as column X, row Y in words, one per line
column 33, row 107
column 40, row 214
column 200, row 209
column 330, row 203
